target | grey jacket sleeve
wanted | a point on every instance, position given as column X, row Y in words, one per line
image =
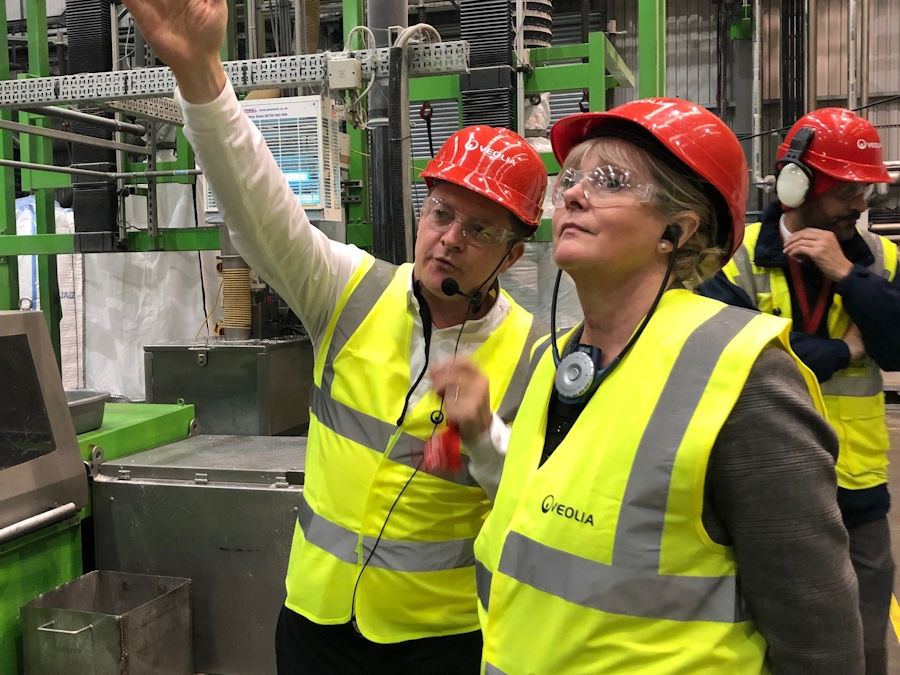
column 771, row 494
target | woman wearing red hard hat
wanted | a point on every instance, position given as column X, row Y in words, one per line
column 668, row 499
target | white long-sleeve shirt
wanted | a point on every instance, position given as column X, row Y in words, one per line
column 272, row 232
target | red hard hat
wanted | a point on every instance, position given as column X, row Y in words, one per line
column 496, row 163
column 685, row 130
column 844, row 147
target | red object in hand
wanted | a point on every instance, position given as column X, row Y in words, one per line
column 442, row 452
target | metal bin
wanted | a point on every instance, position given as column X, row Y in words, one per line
column 219, row 510
column 110, row 623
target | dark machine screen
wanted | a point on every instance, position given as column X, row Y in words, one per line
column 25, row 432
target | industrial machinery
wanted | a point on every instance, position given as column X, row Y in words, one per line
column 87, row 117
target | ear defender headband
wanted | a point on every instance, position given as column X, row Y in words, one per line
column 795, row 179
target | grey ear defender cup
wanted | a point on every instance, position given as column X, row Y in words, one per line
column 579, row 374
column 795, row 179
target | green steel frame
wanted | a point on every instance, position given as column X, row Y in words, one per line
column 594, row 67
column 9, row 269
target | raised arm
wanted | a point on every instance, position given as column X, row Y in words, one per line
column 267, row 224
column 187, row 36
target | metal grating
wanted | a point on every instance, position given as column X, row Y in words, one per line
column 487, row 26
column 488, row 106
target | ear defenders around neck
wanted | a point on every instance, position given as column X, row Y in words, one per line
column 794, row 179
column 579, row 374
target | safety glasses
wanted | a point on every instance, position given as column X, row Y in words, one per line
column 440, row 216
column 848, row 191
column 606, row 185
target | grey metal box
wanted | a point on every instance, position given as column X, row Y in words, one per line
column 247, row 387
column 219, row 510
column 110, row 623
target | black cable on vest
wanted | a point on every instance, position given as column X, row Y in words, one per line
column 670, row 235
column 425, row 315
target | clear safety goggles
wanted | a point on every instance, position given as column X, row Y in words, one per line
column 440, row 216
column 848, row 191
column 603, row 186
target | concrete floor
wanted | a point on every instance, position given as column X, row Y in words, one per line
column 893, row 422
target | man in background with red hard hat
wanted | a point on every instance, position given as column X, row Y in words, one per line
column 809, row 261
column 381, row 576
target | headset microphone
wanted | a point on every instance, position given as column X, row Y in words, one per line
column 450, row 287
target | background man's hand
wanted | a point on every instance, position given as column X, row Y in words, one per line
column 466, row 392
column 822, row 248
column 854, row 340
column 187, row 36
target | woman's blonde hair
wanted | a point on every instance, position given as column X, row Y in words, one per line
column 697, row 259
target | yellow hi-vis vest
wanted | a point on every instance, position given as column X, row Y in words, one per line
column 597, row 561
column 420, row 579
column 854, row 396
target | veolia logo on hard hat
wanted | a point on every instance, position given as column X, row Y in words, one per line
column 862, row 144
column 473, row 144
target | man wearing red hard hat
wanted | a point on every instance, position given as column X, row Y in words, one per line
column 808, row 260
column 381, row 576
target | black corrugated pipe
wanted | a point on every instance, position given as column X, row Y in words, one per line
column 396, row 247
column 793, row 61
column 384, row 180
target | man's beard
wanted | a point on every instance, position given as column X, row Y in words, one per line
column 843, row 226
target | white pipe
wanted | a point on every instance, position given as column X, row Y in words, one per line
column 756, row 104
column 864, row 57
column 520, row 61
column 812, row 46
column 36, row 522
column 851, row 54
column 252, row 47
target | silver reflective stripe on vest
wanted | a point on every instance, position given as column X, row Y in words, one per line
column 876, row 247
column 619, row 590
column 640, row 524
column 752, row 282
column 390, row 554
column 513, row 396
column 844, row 384
column 375, row 434
column 482, row 584
column 357, row 308
column 632, row 584
column 492, row 670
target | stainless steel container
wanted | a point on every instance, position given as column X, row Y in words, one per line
column 110, row 623
column 247, row 387
column 219, row 510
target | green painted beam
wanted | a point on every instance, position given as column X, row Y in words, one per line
column 596, row 79
column 36, row 244
column 436, row 88
column 545, row 55
column 359, row 234
column 358, row 212
column 176, row 239
column 9, row 269
column 550, row 162
column 40, row 151
column 568, row 77
column 615, row 64
column 651, row 48
column 543, row 233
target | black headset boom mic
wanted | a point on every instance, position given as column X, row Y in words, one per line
column 449, row 286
